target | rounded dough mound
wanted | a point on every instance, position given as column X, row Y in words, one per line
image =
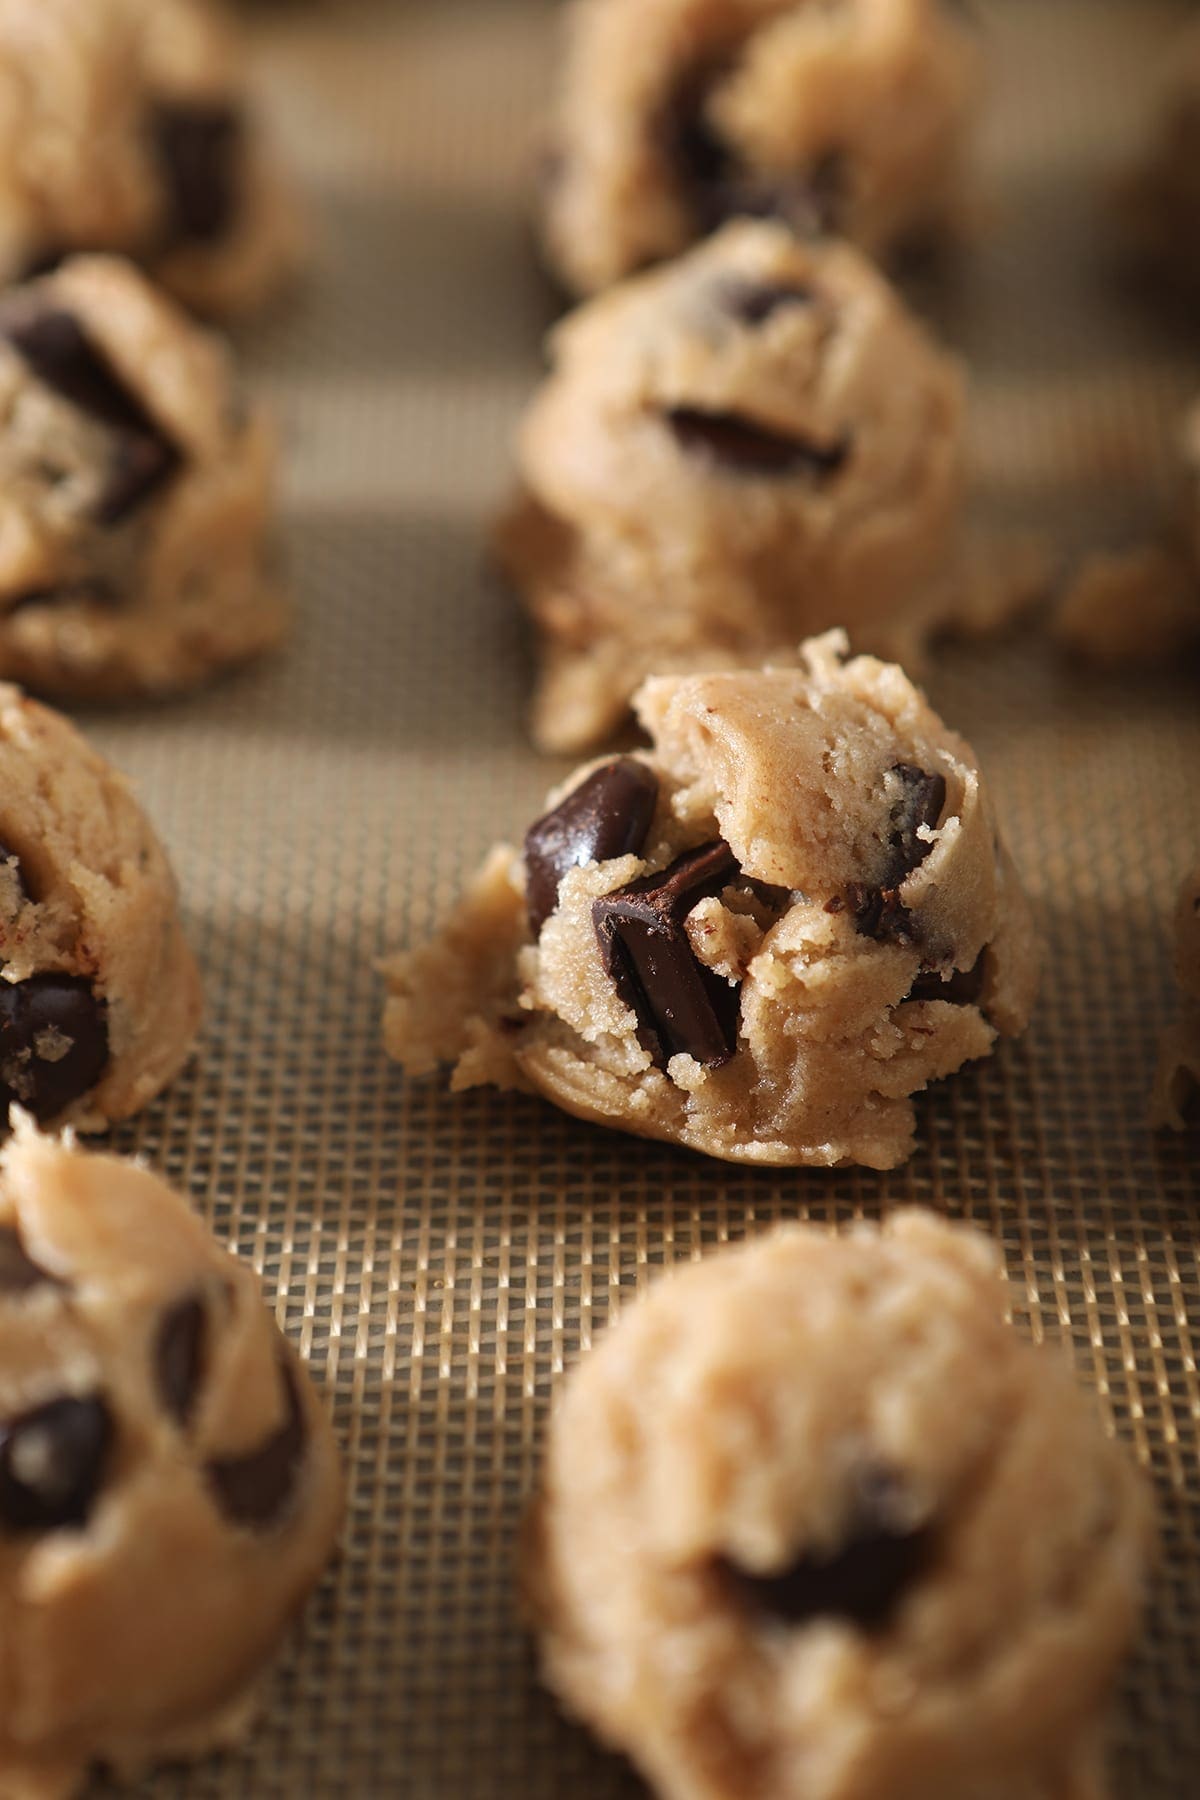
column 99, row 994
column 169, row 1484
column 137, row 493
column 814, row 1524
column 759, row 938
column 124, row 127
column 751, row 445
column 846, row 116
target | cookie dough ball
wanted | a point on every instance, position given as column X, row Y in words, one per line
column 814, row 1524
column 124, row 126
column 136, row 492
column 758, row 938
column 751, row 445
column 99, row 994
column 673, row 116
column 169, row 1485
column 1161, row 201
column 1177, row 1083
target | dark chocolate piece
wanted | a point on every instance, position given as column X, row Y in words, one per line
column 879, row 912
column 253, row 1490
column 681, row 1007
column 754, row 302
column 18, row 1272
column 52, row 1463
column 695, row 149
column 863, row 1581
column 63, row 357
column 961, row 988
column 606, row 816
column 179, row 1357
column 747, row 447
column 200, row 152
column 53, row 1042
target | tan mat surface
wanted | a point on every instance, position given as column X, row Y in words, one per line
column 440, row 1259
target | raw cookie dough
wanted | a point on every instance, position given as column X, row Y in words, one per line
column 136, row 492
column 1177, row 1083
column 758, row 938
column 124, row 126
column 169, row 1483
column 750, row 445
column 1161, row 201
column 99, row 993
column 672, row 116
column 814, row 1524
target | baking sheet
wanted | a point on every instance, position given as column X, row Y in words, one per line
column 440, row 1259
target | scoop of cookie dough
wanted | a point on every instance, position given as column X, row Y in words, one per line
column 136, row 492
column 673, row 116
column 814, row 1524
column 1176, row 1100
column 99, row 994
column 759, row 938
column 169, row 1485
column 753, row 444
column 124, row 126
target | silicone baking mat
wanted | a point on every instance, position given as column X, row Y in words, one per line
column 440, row 1260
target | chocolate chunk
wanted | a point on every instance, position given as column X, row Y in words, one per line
column 53, row 1042
column 52, row 1463
column 63, row 358
column 863, row 1581
column 878, row 911
column 754, row 302
column 681, row 1007
column 961, row 988
column 606, row 816
column 746, row 447
column 18, row 1272
column 200, row 152
column 694, row 148
column 253, row 1490
column 179, row 1357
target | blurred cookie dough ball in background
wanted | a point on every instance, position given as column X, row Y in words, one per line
column 169, row 1483
column 815, row 1524
column 836, row 116
column 752, row 444
column 125, row 126
column 137, row 491
column 99, row 993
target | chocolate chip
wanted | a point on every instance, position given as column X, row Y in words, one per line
column 199, row 150
column 53, row 1042
column 253, row 1490
column 606, row 816
column 863, row 1581
column 18, row 1272
column 694, row 148
column 754, row 302
column 61, row 355
column 52, row 1462
column 748, row 448
column 961, row 988
column 878, row 911
column 681, row 1007
column 179, row 1356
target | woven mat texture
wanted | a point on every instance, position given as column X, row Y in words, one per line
column 440, row 1260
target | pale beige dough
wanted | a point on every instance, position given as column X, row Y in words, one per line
column 89, row 915
column 753, row 444
column 137, row 551
column 1140, row 605
column 125, row 126
column 1176, row 1101
column 157, row 1541
column 846, row 116
column 869, row 934
column 956, row 1545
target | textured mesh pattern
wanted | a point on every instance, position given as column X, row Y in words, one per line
column 439, row 1259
